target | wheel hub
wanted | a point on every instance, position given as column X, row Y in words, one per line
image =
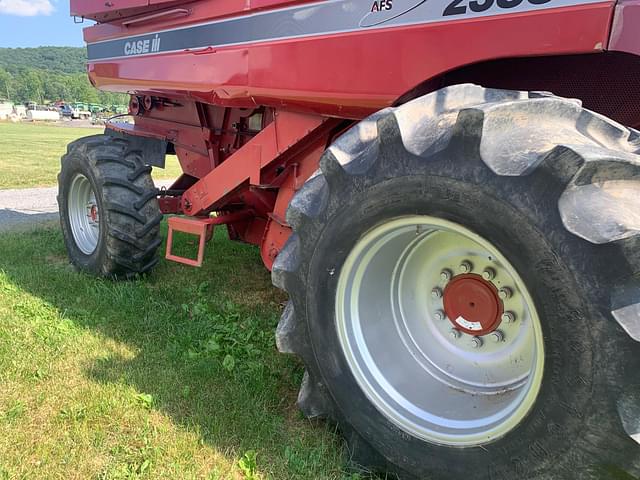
column 423, row 343
column 472, row 304
column 93, row 212
column 84, row 215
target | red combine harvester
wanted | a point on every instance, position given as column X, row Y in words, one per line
column 463, row 262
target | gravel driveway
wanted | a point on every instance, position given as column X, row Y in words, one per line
column 28, row 207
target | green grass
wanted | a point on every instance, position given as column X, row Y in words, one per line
column 171, row 376
column 31, row 154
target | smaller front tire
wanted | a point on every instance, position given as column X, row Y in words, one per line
column 109, row 210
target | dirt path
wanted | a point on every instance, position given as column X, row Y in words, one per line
column 29, row 207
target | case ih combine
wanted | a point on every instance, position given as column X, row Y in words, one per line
column 462, row 261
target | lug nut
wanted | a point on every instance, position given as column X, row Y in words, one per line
column 489, row 274
column 440, row 315
column 476, row 342
column 445, row 275
column 455, row 334
column 436, row 293
column 505, row 293
column 497, row 336
column 466, row 266
column 508, row 317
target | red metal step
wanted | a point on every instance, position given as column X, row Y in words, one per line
column 203, row 228
column 194, row 226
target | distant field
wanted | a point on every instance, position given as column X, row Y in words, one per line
column 31, row 154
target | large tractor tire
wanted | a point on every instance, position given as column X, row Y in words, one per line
column 108, row 208
column 464, row 289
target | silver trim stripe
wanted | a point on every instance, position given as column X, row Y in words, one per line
column 328, row 17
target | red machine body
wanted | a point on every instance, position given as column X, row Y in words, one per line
column 249, row 93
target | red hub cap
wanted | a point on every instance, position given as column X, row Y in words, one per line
column 93, row 213
column 472, row 304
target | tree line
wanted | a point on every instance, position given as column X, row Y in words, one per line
column 49, row 74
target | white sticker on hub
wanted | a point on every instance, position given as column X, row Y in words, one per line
column 463, row 322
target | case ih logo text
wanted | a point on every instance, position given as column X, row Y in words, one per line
column 381, row 5
column 143, row 46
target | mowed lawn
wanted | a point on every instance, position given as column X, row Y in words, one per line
column 174, row 375
column 170, row 376
column 31, row 154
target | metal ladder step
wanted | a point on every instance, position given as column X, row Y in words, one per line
column 203, row 229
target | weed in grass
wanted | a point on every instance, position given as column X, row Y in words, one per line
column 229, row 363
column 15, row 411
column 75, row 413
column 186, row 391
column 39, row 373
column 145, row 400
column 214, row 475
column 248, row 465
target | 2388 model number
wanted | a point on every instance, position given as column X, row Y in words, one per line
column 459, row 7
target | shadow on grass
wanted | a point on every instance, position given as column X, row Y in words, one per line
column 203, row 347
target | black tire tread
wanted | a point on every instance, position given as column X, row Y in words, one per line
column 601, row 151
column 133, row 213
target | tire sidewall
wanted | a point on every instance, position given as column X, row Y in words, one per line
column 567, row 400
column 73, row 165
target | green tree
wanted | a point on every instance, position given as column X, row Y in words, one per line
column 6, row 84
column 58, row 59
column 50, row 73
column 82, row 90
column 30, row 87
column 56, row 87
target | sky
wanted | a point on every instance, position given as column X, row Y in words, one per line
column 34, row 23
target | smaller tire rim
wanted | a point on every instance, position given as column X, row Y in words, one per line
column 462, row 381
column 84, row 216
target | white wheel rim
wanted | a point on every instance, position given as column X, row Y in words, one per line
column 407, row 361
column 84, row 217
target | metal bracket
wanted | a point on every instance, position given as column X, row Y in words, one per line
column 245, row 165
